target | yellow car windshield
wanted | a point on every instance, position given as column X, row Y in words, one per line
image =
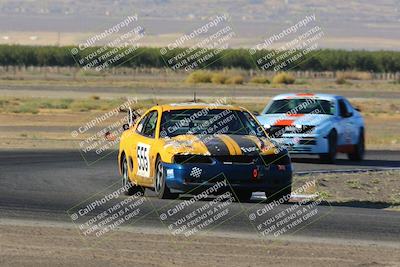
column 209, row 121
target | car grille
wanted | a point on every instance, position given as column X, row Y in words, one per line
column 276, row 159
column 309, row 141
column 277, row 131
column 192, row 159
column 245, row 159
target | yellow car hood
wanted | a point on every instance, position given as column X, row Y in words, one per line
column 219, row 145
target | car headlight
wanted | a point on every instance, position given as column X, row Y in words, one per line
column 267, row 126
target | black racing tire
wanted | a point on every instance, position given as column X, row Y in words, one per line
column 330, row 157
column 359, row 148
column 282, row 194
column 243, row 195
column 126, row 182
column 160, row 186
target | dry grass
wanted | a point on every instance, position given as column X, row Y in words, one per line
column 354, row 75
column 382, row 117
column 166, row 78
column 44, row 105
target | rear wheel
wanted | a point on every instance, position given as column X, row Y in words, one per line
column 160, row 185
column 359, row 148
column 243, row 196
column 330, row 157
column 126, row 182
column 284, row 194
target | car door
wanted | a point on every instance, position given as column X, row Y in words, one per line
column 352, row 121
column 144, row 148
column 344, row 127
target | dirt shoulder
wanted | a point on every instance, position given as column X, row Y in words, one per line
column 44, row 245
column 365, row 189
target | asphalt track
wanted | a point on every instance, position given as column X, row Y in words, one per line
column 45, row 184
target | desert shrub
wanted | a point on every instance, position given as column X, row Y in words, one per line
column 341, row 80
column 85, row 105
column 284, row 78
column 3, row 103
column 26, row 107
column 199, row 76
column 237, row 79
column 55, row 103
column 260, row 79
column 219, row 78
column 396, row 81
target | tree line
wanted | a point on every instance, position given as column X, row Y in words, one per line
column 318, row 60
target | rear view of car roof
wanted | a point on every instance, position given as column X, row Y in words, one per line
column 194, row 105
column 305, row 95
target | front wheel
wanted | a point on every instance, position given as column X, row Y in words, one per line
column 131, row 189
column 330, row 157
column 359, row 148
column 160, row 186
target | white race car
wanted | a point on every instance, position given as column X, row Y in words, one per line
column 320, row 124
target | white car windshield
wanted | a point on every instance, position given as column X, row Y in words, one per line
column 300, row 106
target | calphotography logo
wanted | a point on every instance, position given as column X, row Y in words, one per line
column 200, row 47
column 291, row 46
column 112, row 47
column 274, row 219
column 205, row 210
column 106, row 211
column 97, row 136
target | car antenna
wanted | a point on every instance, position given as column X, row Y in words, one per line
column 194, row 97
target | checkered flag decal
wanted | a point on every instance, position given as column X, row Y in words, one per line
column 196, row 172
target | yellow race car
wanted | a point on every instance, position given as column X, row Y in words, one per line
column 178, row 148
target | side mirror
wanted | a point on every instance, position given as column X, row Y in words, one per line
column 256, row 113
column 130, row 118
column 347, row 115
column 358, row 109
column 125, row 126
column 109, row 137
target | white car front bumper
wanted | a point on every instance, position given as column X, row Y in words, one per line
column 303, row 143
